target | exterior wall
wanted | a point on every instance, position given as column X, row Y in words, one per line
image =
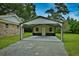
column 46, row 29
column 2, row 26
column 8, row 31
column 40, row 29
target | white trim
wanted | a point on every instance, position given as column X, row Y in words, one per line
column 41, row 21
column 43, row 30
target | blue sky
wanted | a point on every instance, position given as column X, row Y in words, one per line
column 72, row 7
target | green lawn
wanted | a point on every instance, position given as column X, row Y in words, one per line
column 71, row 43
column 27, row 34
column 8, row 40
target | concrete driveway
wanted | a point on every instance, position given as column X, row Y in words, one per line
column 36, row 46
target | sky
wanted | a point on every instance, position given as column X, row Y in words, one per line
column 72, row 7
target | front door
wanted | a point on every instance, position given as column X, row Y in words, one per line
column 43, row 31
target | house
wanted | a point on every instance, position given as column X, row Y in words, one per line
column 43, row 26
column 9, row 25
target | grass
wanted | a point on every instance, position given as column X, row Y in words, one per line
column 71, row 43
column 8, row 40
column 27, row 34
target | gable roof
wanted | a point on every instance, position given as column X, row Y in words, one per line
column 12, row 19
column 42, row 20
column 56, row 20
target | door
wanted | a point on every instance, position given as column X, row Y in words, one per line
column 43, row 31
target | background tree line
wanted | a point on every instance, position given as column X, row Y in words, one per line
column 71, row 25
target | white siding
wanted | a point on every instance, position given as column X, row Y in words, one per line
column 46, row 29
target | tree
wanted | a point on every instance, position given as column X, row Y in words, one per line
column 25, row 11
column 57, row 14
column 73, row 25
column 50, row 11
column 77, row 28
column 61, row 8
column 54, row 15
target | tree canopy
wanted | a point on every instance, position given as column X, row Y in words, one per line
column 73, row 24
column 60, row 9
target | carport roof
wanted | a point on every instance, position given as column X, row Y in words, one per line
column 42, row 20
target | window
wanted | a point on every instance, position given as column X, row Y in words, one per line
column 50, row 29
column 37, row 29
column 6, row 25
column 17, row 26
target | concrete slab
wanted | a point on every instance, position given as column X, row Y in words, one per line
column 43, row 38
column 36, row 46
